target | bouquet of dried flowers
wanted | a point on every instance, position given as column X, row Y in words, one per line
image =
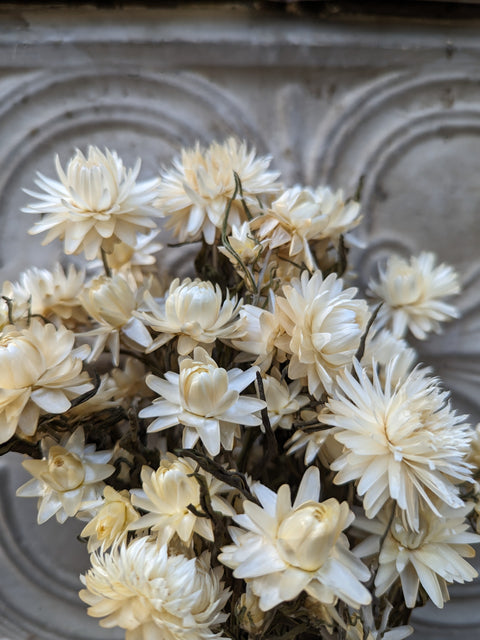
column 253, row 450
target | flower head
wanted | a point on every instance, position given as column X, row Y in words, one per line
column 301, row 215
column 194, row 194
column 413, row 295
column 52, row 293
column 206, row 399
column 151, row 594
column 282, row 550
column 323, row 327
column 195, row 311
column 432, row 556
column 166, row 495
column 111, row 301
column 111, row 521
column 283, row 400
column 96, row 204
column 67, row 478
column 400, row 441
column 40, row 372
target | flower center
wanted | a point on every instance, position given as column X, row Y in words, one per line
column 306, row 537
column 65, row 470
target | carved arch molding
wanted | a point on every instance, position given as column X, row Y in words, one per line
column 395, row 106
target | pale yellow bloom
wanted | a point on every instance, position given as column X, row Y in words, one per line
column 68, row 478
column 52, row 293
column 206, row 399
column 413, row 295
column 250, row 617
column 194, row 194
column 40, row 372
column 244, row 244
column 96, row 204
column 111, row 302
column 382, row 349
column 151, row 594
column 323, row 326
column 400, row 441
column 111, row 521
column 166, row 494
column 282, row 550
column 432, row 555
column 283, row 400
column 195, row 312
column 261, row 329
column 303, row 215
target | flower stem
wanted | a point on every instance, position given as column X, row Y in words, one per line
column 106, row 266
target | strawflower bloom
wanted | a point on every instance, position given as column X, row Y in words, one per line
column 433, row 556
column 96, row 204
column 151, row 594
column 282, row 549
column 194, row 194
column 260, row 331
column 40, row 372
column 283, row 400
column 52, row 293
column 413, row 294
column 195, row 312
column 323, row 326
column 400, row 441
column 166, row 494
column 205, row 399
column 111, row 302
column 302, row 215
column 111, row 521
column 68, row 478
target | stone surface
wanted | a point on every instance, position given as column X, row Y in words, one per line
column 391, row 105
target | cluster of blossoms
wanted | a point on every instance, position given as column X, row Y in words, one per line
column 223, row 394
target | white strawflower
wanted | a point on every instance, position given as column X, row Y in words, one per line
column 282, row 550
column 301, row 215
column 382, row 348
column 433, row 556
column 166, row 495
column 261, row 329
column 96, row 204
column 244, row 244
column 111, row 521
column 413, row 294
column 127, row 257
column 283, row 400
column 40, row 372
column 400, row 441
column 111, row 302
column 195, row 312
column 152, row 595
column 314, row 442
column 250, row 617
column 323, row 325
column 205, row 399
column 14, row 305
column 67, row 478
column 195, row 193
column 52, row 293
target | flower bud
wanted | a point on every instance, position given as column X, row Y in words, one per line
column 307, row 535
column 195, row 303
column 202, row 386
column 65, row 470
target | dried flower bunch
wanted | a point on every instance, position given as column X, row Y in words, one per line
column 252, row 450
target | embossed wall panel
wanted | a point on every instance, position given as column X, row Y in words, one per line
column 394, row 106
